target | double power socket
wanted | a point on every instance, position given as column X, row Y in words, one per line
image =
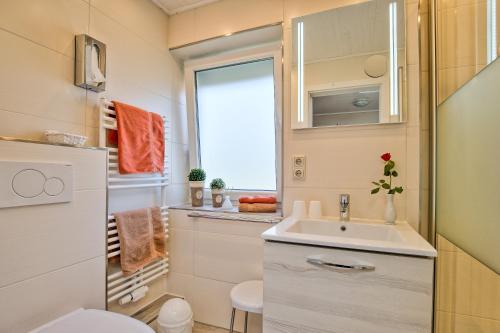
column 299, row 167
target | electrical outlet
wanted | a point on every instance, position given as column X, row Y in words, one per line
column 299, row 161
column 299, row 167
column 299, row 173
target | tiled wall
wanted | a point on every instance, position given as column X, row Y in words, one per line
column 52, row 257
column 461, row 43
column 36, row 70
column 467, row 293
column 208, row 258
column 340, row 159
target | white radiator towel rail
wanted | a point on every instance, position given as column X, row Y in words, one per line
column 119, row 285
column 116, row 181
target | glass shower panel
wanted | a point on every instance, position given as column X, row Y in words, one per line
column 468, row 167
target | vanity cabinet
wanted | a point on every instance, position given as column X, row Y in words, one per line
column 343, row 291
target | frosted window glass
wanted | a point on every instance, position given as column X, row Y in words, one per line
column 236, row 124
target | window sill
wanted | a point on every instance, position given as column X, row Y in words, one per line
column 210, row 212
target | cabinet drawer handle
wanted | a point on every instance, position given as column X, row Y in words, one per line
column 357, row 267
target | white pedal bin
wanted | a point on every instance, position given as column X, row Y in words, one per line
column 175, row 316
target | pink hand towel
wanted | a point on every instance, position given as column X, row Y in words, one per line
column 142, row 238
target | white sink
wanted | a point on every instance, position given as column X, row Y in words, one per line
column 355, row 234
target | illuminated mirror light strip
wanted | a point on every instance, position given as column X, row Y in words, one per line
column 300, row 71
column 393, row 58
column 491, row 29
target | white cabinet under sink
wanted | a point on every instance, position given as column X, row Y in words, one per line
column 344, row 290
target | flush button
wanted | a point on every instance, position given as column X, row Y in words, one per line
column 28, row 183
column 54, row 186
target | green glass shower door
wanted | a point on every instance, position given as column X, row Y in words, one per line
column 468, row 167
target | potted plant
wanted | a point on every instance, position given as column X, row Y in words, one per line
column 197, row 183
column 386, row 184
column 217, row 185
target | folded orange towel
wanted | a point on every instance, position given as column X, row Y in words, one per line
column 141, row 143
column 257, row 207
column 270, row 199
column 142, row 238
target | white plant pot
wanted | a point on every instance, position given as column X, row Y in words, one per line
column 390, row 210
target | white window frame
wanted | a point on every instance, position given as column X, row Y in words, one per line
column 273, row 51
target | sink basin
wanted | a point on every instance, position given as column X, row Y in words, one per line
column 365, row 235
column 377, row 232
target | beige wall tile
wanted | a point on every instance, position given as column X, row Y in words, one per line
column 467, row 291
column 295, row 8
column 485, row 291
column 92, row 134
column 180, row 160
column 363, row 204
column 412, row 40
column 413, row 208
column 181, row 28
column 141, row 17
column 212, row 260
column 412, row 158
column 20, row 125
column 345, row 159
column 181, row 250
column 39, row 82
column 413, row 95
column 461, row 38
column 451, row 79
column 235, row 15
column 463, row 286
column 51, row 296
column 131, row 57
column 51, row 23
column 48, row 233
column 446, row 281
column 444, row 322
column 468, row 324
column 444, row 245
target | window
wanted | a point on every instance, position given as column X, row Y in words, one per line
column 236, row 124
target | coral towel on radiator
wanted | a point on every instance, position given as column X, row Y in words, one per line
column 141, row 143
column 142, row 238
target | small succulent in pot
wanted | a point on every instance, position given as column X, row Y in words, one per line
column 197, row 183
column 217, row 185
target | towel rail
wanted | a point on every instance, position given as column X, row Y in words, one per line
column 119, row 285
column 113, row 246
column 137, row 285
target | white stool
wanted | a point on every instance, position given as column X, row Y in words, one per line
column 247, row 296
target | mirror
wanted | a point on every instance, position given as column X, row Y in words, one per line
column 349, row 66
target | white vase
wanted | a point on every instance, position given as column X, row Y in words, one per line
column 390, row 211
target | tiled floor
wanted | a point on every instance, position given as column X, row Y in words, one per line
column 198, row 328
column 149, row 314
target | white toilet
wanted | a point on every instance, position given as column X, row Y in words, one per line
column 95, row 321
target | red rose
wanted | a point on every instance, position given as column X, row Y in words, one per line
column 386, row 157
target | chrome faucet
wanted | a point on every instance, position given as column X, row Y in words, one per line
column 344, row 207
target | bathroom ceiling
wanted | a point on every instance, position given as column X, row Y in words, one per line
column 177, row 6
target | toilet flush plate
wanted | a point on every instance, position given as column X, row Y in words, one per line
column 34, row 183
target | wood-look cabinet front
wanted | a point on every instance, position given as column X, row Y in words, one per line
column 345, row 291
